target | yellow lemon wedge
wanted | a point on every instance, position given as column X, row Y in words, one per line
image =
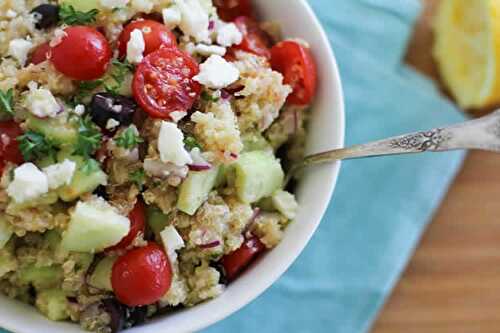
column 467, row 50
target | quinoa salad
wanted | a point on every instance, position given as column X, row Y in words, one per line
column 143, row 151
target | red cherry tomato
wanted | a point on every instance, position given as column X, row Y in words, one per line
column 9, row 147
column 40, row 54
column 137, row 224
column 83, row 54
column 255, row 40
column 155, row 35
column 236, row 261
column 228, row 10
column 141, row 276
column 298, row 67
column 163, row 82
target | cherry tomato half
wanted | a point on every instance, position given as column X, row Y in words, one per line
column 9, row 147
column 141, row 276
column 137, row 224
column 228, row 10
column 255, row 40
column 163, row 82
column 298, row 67
column 40, row 54
column 237, row 260
column 83, row 54
column 155, row 35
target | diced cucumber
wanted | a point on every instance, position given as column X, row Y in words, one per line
column 157, row 221
column 60, row 130
column 255, row 141
column 285, row 203
column 101, row 277
column 53, row 304
column 94, row 226
column 43, row 200
column 82, row 5
column 5, row 232
column 257, row 175
column 195, row 188
column 41, row 277
column 83, row 181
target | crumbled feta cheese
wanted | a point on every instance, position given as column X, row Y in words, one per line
column 111, row 4
column 171, row 145
column 217, row 73
column 145, row 6
column 59, row 35
column 176, row 116
column 60, row 174
column 285, row 203
column 197, row 157
column 194, row 20
column 136, row 47
column 228, row 34
column 42, row 103
column 79, row 109
column 19, row 49
column 172, row 241
column 11, row 13
column 172, row 16
column 29, row 183
column 112, row 124
column 208, row 50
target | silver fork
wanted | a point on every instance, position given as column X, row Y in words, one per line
column 482, row 133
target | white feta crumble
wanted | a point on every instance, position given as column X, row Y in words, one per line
column 60, row 174
column 228, row 34
column 195, row 21
column 111, row 4
column 208, row 50
column 171, row 145
column 172, row 241
column 79, row 110
column 29, row 183
column 177, row 116
column 217, row 73
column 145, row 6
column 59, row 35
column 41, row 102
column 197, row 157
column 11, row 13
column 19, row 49
column 172, row 16
column 112, row 124
column 136, row 47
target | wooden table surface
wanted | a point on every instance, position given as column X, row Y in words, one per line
column 452, row 283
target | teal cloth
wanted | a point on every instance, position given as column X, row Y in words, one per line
column 381, row 206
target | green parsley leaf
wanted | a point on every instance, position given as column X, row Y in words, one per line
column 208, row 97
column 89, row 137
column 118, row 74
column 138, row 177
column 34, row 145
column 85, row 89
column 190, row 143
column 89, row 166
column 7, row 101
column 70, row 16
column 128, row 138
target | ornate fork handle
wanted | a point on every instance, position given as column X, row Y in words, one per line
column 482, row 133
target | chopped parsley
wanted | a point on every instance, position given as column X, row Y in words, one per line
column 128, row 139
column 206, row 96
column 138, row 178
column 35, row 145
column 118, row 74
column 7, row 101
column 70, row 16
column 89, row 166
column 190, row 143
column 89, row 137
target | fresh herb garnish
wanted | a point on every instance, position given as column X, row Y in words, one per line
column 89, row 137
column 70, row 16
column 85, row 89
column 128, row 139
column 34, row 145
column 190, row 143
column 208, row 97
column 118, row 74
column 138, row 178
column 89, row 166
column 7, row 101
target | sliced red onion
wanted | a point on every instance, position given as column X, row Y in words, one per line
column 211, row 25
column 253, row 218
column 210, row 245
column 225, row 95
column 199, row 167
column 233, row 155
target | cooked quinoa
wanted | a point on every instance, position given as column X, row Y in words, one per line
column 170, row 144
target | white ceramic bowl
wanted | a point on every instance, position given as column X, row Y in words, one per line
column 326, row 131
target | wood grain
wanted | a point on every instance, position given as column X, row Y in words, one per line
column 452, row 283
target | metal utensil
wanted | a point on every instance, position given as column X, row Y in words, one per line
column 482, row 133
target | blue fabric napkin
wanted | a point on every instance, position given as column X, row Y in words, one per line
column 381, row 206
